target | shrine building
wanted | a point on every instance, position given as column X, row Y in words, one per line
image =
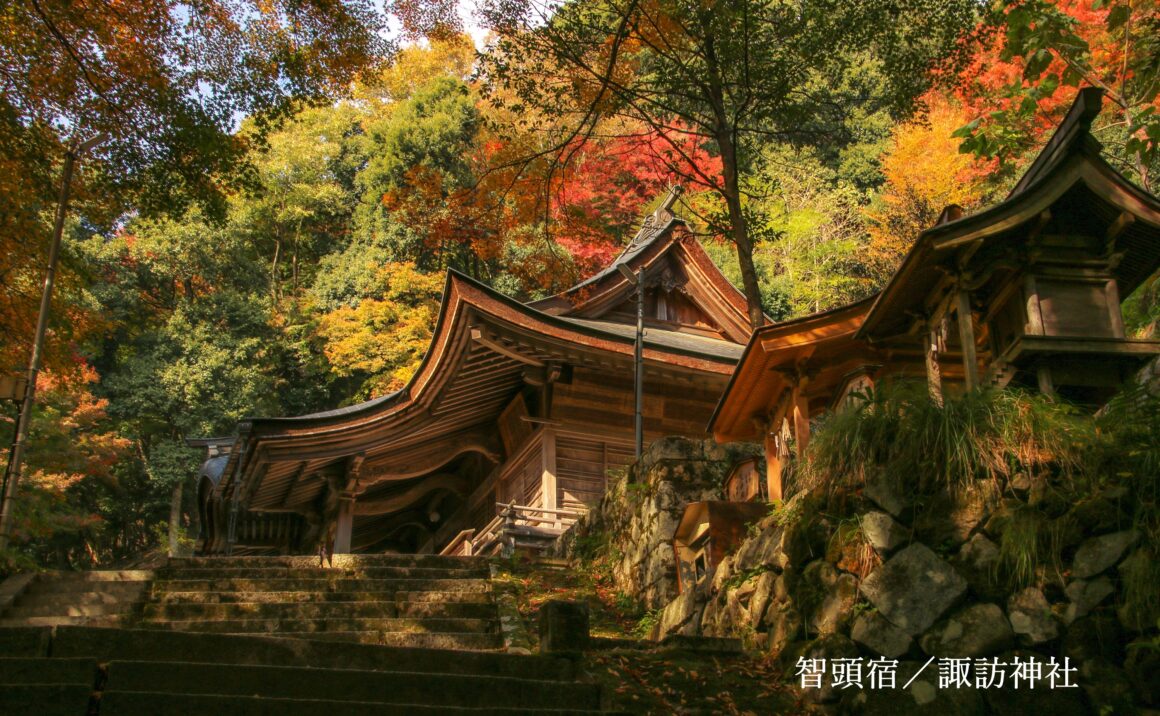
column 1026, row 293
column 506, row 432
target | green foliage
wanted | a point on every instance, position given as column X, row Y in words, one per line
column 983, row 435
column 1021, row 546
column 647, row 623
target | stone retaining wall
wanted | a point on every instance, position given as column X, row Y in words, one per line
column 869, row 574
column 636, row 518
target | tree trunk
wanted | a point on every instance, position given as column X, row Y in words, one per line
column 724, row 131
column 274, row 270
column 175, row 519
column 740, row 230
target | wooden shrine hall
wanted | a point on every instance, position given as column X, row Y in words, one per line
column 1025, row 293
column 509, row 426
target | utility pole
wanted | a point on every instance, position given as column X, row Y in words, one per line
column 638, row 354
column 16, row 454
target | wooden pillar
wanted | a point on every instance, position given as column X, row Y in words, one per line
column 548, row 483
column 773, row 464
column 933, row 374
column 1031, row 302
column 801, row 418
column 1115, row 313
column 345, row 524
column 967, row 338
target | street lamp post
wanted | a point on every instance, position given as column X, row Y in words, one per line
column 638, row 354
column 16, row 454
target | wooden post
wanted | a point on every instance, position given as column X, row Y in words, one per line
column 773, row 463
column 548, row 482
column 1034, row 314
column 1115, row 313
column 1046, row 384
column 933, row 374
column 345, row 526
column 967, row 338
column 801, row 418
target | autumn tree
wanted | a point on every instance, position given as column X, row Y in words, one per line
column 924, row 172
column 731, row 74
column 380, row 341
column 1033, row 56
column 75, row 449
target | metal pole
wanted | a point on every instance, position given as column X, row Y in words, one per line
column 639, row 362
column 16, row 455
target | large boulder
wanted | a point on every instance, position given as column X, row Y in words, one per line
column 914, row 588
column 1101, row 553
column 1031, row 617
column 763, row 588
column 977, row 561
column 949, row 517
column 1143, row 669
column 882, row 532
column 785, row 627
column 977, row 630
column 826, row 597
column 1085, row 595
column 1107, row 687
column 680, row 616
column 873, row 632
column 887, row 493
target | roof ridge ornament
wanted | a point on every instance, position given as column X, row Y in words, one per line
column 660, row 217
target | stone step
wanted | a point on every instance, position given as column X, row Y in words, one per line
column 387, row 687
column 80, row 586
column 341, row 561
column 315, row 597
column 410, row 640
column 437, row 596
column 317, row 610
column 25, row 641
column 40, row 609
column 337, row 624
column 168, row 646
column 385, row 572
column 346, row 584
column 76, row 599
column 137, row 703
column 107, row 575
column 15, row 670
column 45, row 699
column 58, row 620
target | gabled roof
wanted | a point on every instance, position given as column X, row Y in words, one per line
column 662, row 242
column 459, row 389
column 1070, row 180
column 774, row 354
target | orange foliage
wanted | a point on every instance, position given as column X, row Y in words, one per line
column 925, row 172
column 70, row 442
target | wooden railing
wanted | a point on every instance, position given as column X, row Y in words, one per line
column 517, row 526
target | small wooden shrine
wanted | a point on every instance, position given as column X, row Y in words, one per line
column 1025, row 293
column 707, row 532
column 508, row 428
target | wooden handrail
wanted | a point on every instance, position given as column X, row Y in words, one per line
column 545, row 510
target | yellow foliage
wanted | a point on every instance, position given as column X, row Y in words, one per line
column 415, row 66
column 384, row 339
column 925, row 173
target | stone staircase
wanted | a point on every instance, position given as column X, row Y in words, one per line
column 101, row 598
column 425, row 601
column 107, row 672
column 381, row 634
